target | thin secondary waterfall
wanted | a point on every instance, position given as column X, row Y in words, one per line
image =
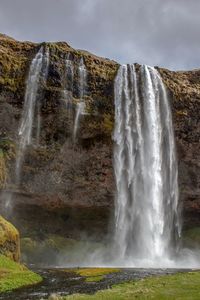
column 80, row 108
column 82, row 89
column 38, row 70
column 44, row 74
column 68, row 91
column 146, row 213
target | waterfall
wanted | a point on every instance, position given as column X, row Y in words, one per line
column 146, row 209
column 68, row 91
column 38, row 70
column 80, row 108
column 44, row 74
column 82, row 78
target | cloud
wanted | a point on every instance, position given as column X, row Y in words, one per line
column 153, row 32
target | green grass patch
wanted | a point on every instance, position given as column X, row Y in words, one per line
column 95, row 271
column 94, row 274
column 14, row 275
column 94, row 278
column 181, row 286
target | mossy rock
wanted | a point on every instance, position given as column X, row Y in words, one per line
column 9, row 240
column 7, row 152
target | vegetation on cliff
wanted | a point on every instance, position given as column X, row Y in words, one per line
column 7, row 152
column 13, row 63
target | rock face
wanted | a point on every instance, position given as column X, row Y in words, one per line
column 184, row 88
column 67, row 187
column 9, row 240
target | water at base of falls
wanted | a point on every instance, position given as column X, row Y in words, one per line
column 147, row 224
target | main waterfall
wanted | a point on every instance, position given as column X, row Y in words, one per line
column 146, row 210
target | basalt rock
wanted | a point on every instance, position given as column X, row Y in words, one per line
column 67, row 187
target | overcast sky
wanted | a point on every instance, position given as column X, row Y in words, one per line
column 154, row 32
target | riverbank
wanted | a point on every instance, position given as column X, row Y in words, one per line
column 182, row 286
column 107, row 283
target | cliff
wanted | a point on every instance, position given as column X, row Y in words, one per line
column 67, row 186
column 184, row 88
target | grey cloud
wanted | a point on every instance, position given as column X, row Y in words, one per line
column 153, row 32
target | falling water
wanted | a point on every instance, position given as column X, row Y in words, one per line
column 68, row 91
column 147, row 222
column 44, row 74
column 38, row 68
column 82, row 78
column 80, row 108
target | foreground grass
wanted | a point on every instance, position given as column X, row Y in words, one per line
column 14, row 275
column 182, row 286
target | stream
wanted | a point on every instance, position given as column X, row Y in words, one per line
column 65, row 282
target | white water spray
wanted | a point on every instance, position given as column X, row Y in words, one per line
column 146, row 213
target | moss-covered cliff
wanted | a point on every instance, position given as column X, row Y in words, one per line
column 9, row 240
column 67, row 187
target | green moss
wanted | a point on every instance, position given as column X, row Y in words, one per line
column 13, row 63
column 9, row 240
column 91, row 272
column 3, row 170
column 94, row 278
column 7, row 152
column 183, row 286
column 14, row 275
column 95, row 274
column 191, row 237
column 108, row 124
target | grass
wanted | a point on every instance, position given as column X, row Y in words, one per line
column 94, row 278
column 95, row 271
column 182, row 286
column 95, row 274
column 14, row 275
